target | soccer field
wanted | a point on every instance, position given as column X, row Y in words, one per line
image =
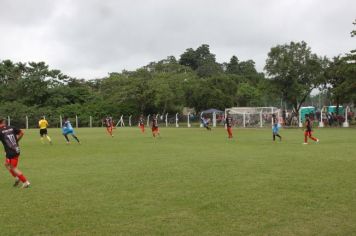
column 188, row 182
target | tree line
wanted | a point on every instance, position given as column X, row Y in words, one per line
column 194, row 80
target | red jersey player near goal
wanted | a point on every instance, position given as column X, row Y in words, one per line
column 308, row 130
column 10, row 137
column 109, row 123
column 228, row 122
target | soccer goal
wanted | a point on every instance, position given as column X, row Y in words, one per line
column 253, row 117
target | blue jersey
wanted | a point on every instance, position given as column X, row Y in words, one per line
column 276, row 126
column 67, row 127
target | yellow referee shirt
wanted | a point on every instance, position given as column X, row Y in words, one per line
column 43, row 124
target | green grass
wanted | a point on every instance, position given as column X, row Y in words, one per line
column 189, row 182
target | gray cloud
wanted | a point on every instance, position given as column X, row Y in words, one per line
column 89, row 38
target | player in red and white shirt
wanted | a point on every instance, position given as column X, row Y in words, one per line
column 109, row 123
column 155, row 129
column 141, row 124
column 10, row 137
column 308, row 131
column 228, row 122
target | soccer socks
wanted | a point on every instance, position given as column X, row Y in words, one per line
column 48, row 138
column 229, row 131
column 12, row 173
column 311, row 137
column 274, row 137
column 66, row 137
column 76, row 138
column 16, row 172
column 22, row 178
column 13, row 163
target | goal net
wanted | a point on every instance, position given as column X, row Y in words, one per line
column 253, row 117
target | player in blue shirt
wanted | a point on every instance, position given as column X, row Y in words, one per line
column 67, row 128
column 275, row 128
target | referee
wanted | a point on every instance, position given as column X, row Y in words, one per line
column 43, row 124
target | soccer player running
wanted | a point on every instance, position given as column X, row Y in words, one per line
column 67, row 128
column 43, row 124
column 10, row 137
column 155, row 129
column 109, row 123
column 275, row 128
column 308, row 130
column 228, row 122
column 141, row 124
column 205, row 123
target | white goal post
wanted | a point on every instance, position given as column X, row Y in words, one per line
column 253, row 117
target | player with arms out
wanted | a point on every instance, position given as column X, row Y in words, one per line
column 205, row 122
column 155, row 129
column 109, row 123
column 275, row 128
column 141, row 124
column 308, row 130
column 67, row 128
column 10, row 137
column 43, row 124
column 228, row 122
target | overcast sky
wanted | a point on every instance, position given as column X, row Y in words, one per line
column 89, row 38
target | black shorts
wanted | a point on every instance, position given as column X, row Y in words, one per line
column 43, row 132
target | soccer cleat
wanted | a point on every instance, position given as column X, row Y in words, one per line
column 17, row 181
column 317, row 140
column 305, row 143
column 26, row 185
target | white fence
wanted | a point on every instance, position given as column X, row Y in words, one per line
column 244, row 120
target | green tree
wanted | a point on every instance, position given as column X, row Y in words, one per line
column 10, row 76
column 337, row 81
column 350, row 70
column 295, row 71
column 248, row 95
column 233, row 66
column 214, row 92
column 201, row 60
